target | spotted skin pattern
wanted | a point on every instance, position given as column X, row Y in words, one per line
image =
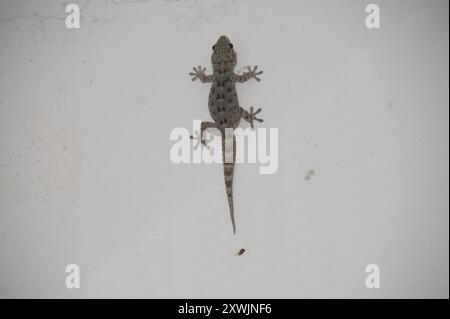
column 223, row 104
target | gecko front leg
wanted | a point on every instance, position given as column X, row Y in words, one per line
column 250, row 116
column 251, row 74
column 199, row 73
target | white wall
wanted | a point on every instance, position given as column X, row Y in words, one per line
column 85, row 176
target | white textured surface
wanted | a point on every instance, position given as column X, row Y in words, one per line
column 85, row 177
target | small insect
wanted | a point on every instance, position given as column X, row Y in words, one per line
column 241, row 251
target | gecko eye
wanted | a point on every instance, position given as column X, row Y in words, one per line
column 231, row 45
column 214, row 46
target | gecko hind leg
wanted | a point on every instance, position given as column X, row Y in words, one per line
column 204, row 126
column 251, row 116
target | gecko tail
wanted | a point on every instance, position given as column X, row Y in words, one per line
column 228, row 169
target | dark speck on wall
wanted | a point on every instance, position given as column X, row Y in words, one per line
column 309, row 175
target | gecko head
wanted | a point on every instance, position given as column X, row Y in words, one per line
column 223, row 55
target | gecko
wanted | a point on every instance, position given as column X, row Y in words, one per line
column 223, row 104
